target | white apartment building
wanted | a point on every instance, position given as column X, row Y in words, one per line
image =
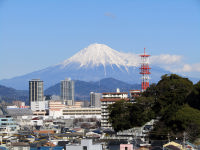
column 108, row 99
column 83, row 112
column 57, row 109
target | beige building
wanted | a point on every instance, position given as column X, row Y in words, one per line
column 84, row 112
column 76, row 105
column 55, row 108
column 19, row 104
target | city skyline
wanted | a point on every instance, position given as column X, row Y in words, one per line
column 58, row 30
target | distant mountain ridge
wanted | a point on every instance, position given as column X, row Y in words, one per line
column 82, row 89
column 9, row 94
column 93, row 63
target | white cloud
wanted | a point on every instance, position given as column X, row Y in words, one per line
column 166, row 59
column 191, row 68
column 186, row 68
column 174, row 63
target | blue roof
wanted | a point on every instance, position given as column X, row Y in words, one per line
column 30, row 136
column 48, row 148
column 3, row 148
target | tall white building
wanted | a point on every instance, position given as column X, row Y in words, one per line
column 95, row 99
column 108, row 99
column 36, row 95
column 67, row 91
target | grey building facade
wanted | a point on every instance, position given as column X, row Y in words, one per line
column 95, row 99
column 36, row 95
column 67, row 91
column 36, row 92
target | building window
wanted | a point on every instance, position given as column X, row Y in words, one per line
column 4, row 120
column 126, row 148
column 84, row 147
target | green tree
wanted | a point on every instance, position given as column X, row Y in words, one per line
column 125, row 115
column 140, row 115
column 194, row 98
column 172, row 91
column 186, row 119
column 119, row 115
column 167, row 100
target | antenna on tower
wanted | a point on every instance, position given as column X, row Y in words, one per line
column 144, row 71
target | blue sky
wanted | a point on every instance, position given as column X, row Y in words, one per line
column 35, row 34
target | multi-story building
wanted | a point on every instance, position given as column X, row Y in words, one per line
column 77, row 104
column 19, row 104
column 95, row 99
column 83, row 112
column 7, row 125
column 55, row 108
column 36, row 96
column 108, row 99
column 134, row 94
column 67, row 91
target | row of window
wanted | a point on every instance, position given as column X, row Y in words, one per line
column 81, row 114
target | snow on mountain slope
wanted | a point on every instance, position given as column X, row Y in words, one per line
column 100, row 54
column 93, row 63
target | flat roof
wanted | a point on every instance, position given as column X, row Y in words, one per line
column 114, row 99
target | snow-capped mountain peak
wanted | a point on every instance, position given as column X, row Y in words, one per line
column 93, row 63
column 101, row 54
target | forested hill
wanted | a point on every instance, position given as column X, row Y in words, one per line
column 9, row 94
column 174, row 99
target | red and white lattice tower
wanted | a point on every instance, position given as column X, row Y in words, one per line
column 144, row 70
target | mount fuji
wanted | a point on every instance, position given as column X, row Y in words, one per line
column 93, row 63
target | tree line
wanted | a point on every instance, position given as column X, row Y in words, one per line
column 174, row 100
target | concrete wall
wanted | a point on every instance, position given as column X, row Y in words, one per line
column 85, row 142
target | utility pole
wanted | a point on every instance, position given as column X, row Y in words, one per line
column 135, row 139
column 184, row 140
column 168, row 136
column 50, row 140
